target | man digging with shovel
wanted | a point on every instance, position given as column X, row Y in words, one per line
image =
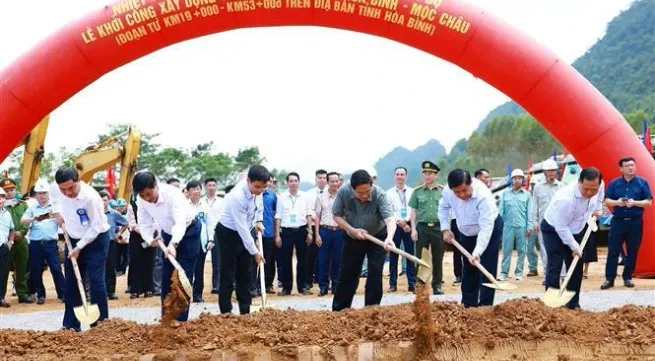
column 179, row 241
column 80, row 212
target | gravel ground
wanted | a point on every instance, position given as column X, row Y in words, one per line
column 51, row 320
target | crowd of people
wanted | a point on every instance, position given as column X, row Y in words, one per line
column 318, row 237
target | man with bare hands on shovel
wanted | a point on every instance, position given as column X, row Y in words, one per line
column 562, row 227
column 78, row 208
column 481, row 230
column 180, row 234
column 362, row 209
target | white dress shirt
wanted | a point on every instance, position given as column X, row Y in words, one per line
column 172, row 212
column 569, row 211
column 399, row 203
column 312, row 195
column 475, row 216
column 293, row 210
column 323, row 208
column 202, row 211
column 84, row 216
column 214, row 208
column 241, row 211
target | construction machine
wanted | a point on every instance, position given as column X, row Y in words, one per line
column 33, row 155
column 109, row 152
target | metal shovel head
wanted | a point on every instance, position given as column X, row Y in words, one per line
column 556, row 298
column 88, row 315
column 425, row 273
column 186, row 285
column 501, row 285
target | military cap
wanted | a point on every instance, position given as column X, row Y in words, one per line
column 428, row 166
column 8, row 183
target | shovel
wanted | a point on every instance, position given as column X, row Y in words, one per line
column 262, row 277
column 424, row 273
column 400, row 252
column 559, row 297
column 87, row 313
column 499, row 285
column 181, row 276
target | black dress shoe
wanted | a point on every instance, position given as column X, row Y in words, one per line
column 322, row 293
column 40, row 300
column 458, row 280
column 214, row 291
column 305, row 292
column 198, row 300
column 607, row 284
column 533, row 274
column 112, row 296
column 411, row 289
column 25, row 300
column 134, row 296
column 437, row 292
column 628, row 283
column 148, row 294
column 393, row 289
column 270, row 290
column 284, row 293
column 4, row 304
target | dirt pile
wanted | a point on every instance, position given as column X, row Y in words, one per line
column 176, row 301
column 424, row 333
column 283, row 331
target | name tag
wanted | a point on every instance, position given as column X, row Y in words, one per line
column 403, row 212
column 292, row 218
column 201, row 217
column 84, row 217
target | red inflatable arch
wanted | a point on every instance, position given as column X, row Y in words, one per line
column 547, row 87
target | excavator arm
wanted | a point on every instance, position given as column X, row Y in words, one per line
column 108, row 153
column 33, row 155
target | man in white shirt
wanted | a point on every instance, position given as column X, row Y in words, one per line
column 481, row 232
column 329, row 237
column 243, row 211
column 399, row 197
column 214, row 204
column 312, row 248
column 180, row 228
column 6, row 242
column 194, row 188
column 293, row 229
column 80, row 209
column 563, row 227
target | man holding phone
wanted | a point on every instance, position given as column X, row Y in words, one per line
column 629, row 195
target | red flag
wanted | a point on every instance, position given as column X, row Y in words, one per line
column 527, row 181
column 647, row 141
column 110, row 180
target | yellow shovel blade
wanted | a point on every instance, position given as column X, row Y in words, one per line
column 556, row 298
column 186, row 285
column 503, row 286
column 87, row 316
column 425, row 273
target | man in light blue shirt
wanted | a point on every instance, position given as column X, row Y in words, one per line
column 481, row 231
column 6, row 242
column 563, row 226
column 514, row 208
column 43, row 235
column 243, row 209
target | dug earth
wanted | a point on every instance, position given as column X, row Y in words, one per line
column 514, row 330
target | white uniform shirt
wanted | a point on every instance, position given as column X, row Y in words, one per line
column 172, row 212
column 84, row 216
column 293, row 210
column 569, row 211
column 6, row 225
column 323, row 208
column 214, row 209
column 202, row 211
column 313, row 195
column 475, row 216
column 400, row 203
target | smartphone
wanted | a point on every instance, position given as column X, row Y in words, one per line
column 624, row 199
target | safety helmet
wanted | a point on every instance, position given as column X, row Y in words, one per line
column 121, row 202
column 518, row 173
column 549, row 164
column 42, row 186
column 113, row 203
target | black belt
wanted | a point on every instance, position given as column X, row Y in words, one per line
column 331, row 228
column 296, row 229
column 429, row 224
column 45, row 241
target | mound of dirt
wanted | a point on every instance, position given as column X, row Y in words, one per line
column 283, row 331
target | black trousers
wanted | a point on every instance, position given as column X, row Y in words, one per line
column 199, row 278
column 457, row 255
column 352, row 260
column 558, row 252
column 142, row 263
column 110, row 267
column 4, row 263
column 294, row 238
column 270, row 255
column 235, row 267
column 312, row 264
column 630, row 231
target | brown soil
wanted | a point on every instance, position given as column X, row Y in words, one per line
column 284, row 331
column 424, row 334
column 175, row 302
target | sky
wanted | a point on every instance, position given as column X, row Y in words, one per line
column 233, row 88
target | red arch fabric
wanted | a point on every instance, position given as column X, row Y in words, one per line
column 547, row 87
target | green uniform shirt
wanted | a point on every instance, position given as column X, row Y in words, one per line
column 514, row 207
column 17, row 211
column 426, row 203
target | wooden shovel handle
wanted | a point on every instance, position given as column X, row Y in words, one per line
column 574, row 263
column 171, row 259
column 477, row 264
column 76, row 268
column 398, row 251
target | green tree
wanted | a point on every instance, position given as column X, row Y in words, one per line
column 246, row 158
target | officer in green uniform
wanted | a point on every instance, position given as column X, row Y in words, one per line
column 19, row 252
column 426, row 229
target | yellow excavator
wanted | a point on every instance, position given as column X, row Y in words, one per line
column 33, row 155
column 109, row 152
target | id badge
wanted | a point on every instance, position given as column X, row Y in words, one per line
column 403, row 212
column 292, row 218
column 84, row 217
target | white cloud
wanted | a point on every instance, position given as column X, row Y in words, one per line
column 237, row 88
